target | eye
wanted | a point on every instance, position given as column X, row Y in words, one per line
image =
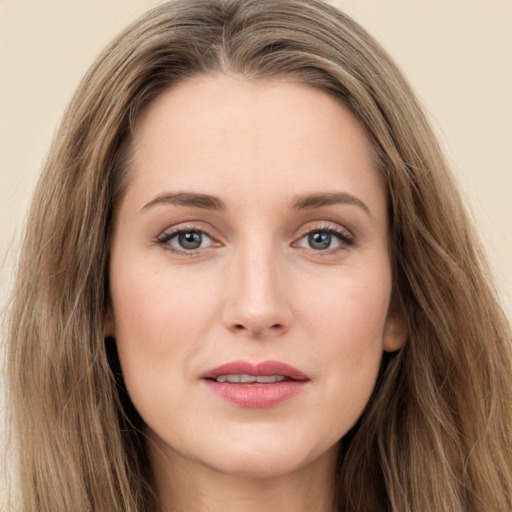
column 326, row 239
column 185, row 240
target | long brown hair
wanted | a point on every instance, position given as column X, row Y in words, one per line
column 436, row 435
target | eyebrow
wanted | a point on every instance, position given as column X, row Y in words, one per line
column 326, row 199
column 187, row 199
column 208, row 202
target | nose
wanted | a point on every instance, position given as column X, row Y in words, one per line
column 257, row 296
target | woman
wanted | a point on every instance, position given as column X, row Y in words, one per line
column 257, row 287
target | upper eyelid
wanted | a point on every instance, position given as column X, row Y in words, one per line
column 171, row 233
column 325, row 226
column 187, row 226
column 164, row 238
column 346, row 237
column 211, row 232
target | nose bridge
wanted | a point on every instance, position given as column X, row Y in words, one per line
column 257, row 301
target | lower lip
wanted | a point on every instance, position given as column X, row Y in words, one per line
column 257, row 396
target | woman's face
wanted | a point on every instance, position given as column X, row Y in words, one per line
column 253, row 234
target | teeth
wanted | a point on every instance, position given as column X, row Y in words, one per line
column 244, row 379
column 250, row 379
column 269, row 378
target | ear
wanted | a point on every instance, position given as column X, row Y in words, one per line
column 109, row 323
column 395, row 328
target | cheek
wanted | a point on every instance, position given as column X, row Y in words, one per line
column 152, row 306
column 351, row 311
column 348, row 326
column 161, row 319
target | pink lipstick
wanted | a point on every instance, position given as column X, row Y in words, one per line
column 258, row 385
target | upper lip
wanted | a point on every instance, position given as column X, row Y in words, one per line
column 256, row 369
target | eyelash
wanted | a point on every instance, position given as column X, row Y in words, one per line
column 166, row 236
column 345, row 238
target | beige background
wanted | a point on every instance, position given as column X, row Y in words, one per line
column 456, row 53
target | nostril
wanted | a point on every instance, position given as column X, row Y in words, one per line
column 257, row 330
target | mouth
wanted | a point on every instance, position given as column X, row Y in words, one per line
column 260, row 385
column 251, row 379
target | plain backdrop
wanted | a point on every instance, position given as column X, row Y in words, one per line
column 456, row 53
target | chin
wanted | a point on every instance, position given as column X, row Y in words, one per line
column 261, row 466
column 265, row 455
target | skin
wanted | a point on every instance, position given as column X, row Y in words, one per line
column 255, row 289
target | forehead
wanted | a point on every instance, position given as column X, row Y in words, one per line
column 222, row 134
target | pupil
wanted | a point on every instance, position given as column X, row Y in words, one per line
column 190, row 239
column 319, row 240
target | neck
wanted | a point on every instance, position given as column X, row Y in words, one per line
column 187, row 486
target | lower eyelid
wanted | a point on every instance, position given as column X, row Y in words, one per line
column 344, row 238
column 341, row 240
